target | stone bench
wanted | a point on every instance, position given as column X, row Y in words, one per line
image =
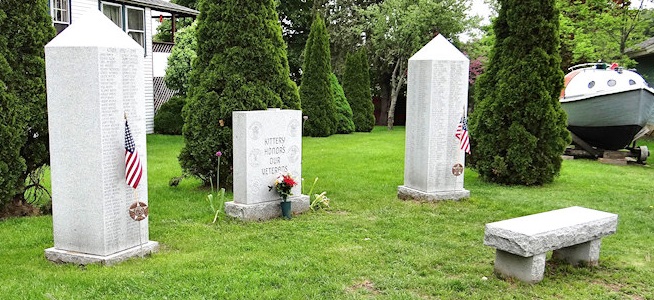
column 574, row 233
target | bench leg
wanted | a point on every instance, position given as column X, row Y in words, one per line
column 527, row 269
column 587, row 253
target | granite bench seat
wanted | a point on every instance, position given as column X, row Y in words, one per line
column 573, row 233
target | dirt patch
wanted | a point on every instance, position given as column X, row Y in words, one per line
column 618, row 288
column 366, row 285
column 14, row 209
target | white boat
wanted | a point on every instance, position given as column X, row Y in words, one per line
column 608, row 108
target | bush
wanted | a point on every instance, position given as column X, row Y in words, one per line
column 315, row 90
column 356, row 83
column 180, row 60
column 168, row 119
column 25, row 126
column 12, row 164
column 241, row 64
column 344, row 122
column 518, row 129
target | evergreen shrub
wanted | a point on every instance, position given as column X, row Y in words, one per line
column 356, row 84
column 168, row 119
column 344, row 123
column 26, row 28
column 518, row 129
column 241, row 65
column 315, row 90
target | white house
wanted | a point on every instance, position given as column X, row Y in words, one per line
column 135, row 17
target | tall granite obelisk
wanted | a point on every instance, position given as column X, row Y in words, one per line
column 437, row 98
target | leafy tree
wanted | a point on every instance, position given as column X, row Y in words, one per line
column 241, row 64
column 356, row 84
column 348, row 27
column 518, row 128
column 165, row 29
column 315, row 91
column 344, row 123
column 402, row 27
column 180, row 59
column 29, row 27
column 595, row 30
column 296, row 17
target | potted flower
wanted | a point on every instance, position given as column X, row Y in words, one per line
column 283, row 185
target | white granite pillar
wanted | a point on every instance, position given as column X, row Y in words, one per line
column 94, row 74
column 437, row 98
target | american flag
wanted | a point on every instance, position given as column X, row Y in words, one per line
column 133, row 168
column 462, row 134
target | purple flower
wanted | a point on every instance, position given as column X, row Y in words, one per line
column 219, row 154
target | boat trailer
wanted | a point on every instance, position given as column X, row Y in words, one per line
column 584, row 150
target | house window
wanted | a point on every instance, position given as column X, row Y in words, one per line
column 60, row 12
column 134, row 23
column 113, row 12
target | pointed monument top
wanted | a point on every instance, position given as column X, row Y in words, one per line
column 439, row 48
column 93, row 29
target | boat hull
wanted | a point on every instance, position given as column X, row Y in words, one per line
column 610, row 121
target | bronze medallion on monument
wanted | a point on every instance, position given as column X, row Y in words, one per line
column 138, row 211
column 457, row 169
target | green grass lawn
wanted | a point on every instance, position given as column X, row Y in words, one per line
column 369, row 245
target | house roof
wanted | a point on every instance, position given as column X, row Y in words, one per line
column 643, row 49
column 163, row 6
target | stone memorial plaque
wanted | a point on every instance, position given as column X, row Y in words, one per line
column 266, row 143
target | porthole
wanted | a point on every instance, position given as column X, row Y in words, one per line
column 591, row 84
column 631, row 82
column 611, row 82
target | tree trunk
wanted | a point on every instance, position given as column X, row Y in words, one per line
column 384, row 96
column 397, row 80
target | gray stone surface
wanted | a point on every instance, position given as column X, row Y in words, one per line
column 585, row 253
column 266, row 143
column 535, row 234
column 407, row 193
column 526, row 269
column 94, row 75
column 265, row 210
column 437, row 98
column 63, row 256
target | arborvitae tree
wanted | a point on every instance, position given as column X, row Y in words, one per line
column 518, row 128
column 356, row 83
column 241, row 64
column 12, row 135
column 29, row 27
column 315, row 91
column 344, row 123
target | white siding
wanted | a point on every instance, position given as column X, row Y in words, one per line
column 78, row 8
column 147, row 72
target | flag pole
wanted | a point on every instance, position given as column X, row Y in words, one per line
column 138, row 207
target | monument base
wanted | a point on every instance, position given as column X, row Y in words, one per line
column 407, row 193
column 266, row 210
column 64, row 256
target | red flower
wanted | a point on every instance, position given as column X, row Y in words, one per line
column 288, row 180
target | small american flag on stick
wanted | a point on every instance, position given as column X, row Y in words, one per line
column 462, row 134
column 133, row 168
